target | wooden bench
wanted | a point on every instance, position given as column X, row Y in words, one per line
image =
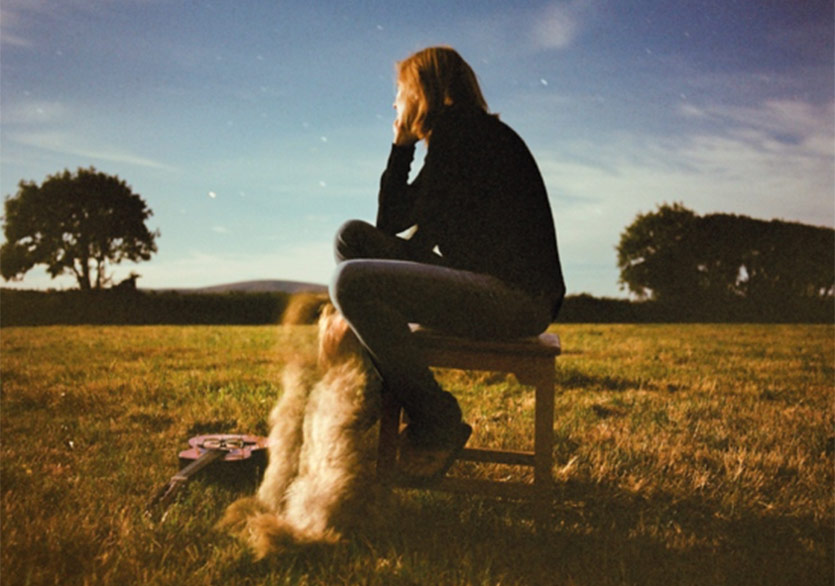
column 531, row 360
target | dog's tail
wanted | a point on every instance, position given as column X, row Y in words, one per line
column 267, row 533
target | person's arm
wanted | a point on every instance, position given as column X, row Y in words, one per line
column 441, row 191
column 396, row 199
column 434, row 198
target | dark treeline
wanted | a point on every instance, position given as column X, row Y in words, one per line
column 114, row 307
column 588, row 309
column 724, row 264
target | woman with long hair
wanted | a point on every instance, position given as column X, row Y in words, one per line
column 480, row 258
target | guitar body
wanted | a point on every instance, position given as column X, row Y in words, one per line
column 236, row 447
column 233, row 458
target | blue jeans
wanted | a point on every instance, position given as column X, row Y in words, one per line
column 381, row 286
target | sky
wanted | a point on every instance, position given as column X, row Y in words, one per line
column 254, row 129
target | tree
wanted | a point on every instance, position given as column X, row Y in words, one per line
column 674, row 255
column 75, row 223
column 792, row 261
column 655, row 256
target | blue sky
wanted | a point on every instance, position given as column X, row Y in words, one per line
column 254, row 129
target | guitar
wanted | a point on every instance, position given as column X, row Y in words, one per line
column 205, row 450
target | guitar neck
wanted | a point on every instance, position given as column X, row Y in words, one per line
column 204, row 460
column 166, row 494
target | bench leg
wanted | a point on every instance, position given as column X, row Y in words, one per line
column 543, row 379
column 543, row 448
column 387, row 445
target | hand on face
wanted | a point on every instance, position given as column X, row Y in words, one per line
column 405, row 106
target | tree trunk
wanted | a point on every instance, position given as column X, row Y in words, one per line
column 84, row 276
column 101, row 273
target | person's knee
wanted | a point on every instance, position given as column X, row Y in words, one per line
column 350, row 238
column 346, row 285
column 350, row 230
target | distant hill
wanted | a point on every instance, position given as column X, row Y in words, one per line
column 263, row 286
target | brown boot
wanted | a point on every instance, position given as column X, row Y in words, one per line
column 424, row 462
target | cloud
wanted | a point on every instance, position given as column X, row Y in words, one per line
column 558, row 25
column 64, row 143
column 777, row 122
column 15, row 16
column 18, row 18
column 775, row 160
column 554, row 26
column 739, row 172
column 780, row 155
column 33, row 112
column 10, row 24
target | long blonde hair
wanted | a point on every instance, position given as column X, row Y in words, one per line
column 435, row 78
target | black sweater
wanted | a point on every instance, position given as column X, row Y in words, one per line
column 480, row 199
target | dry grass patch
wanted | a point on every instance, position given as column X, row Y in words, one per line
column 694, row 454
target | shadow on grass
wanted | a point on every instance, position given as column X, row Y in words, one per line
column 600, row 535
column 568, row 378
column 628, row 538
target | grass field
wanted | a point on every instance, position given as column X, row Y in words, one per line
column 695, row 454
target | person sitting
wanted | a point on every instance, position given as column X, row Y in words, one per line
column 480, row 258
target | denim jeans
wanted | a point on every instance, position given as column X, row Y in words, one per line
column 380, row 286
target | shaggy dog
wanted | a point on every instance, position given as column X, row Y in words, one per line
column 320, row 481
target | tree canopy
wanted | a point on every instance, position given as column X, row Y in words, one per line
column 672, row 254
column 75, row 223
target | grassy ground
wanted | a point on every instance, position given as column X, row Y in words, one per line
column 685, row 455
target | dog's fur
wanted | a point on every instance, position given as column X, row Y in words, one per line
column 319, row 482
